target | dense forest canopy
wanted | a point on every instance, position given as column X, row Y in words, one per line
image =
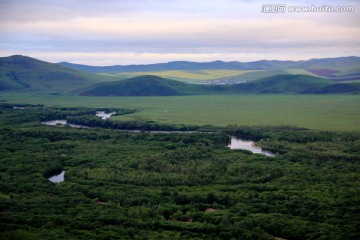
column 126, row 185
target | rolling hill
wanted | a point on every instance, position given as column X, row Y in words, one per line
column 29, row 74
column 149, row 85
column 20, row 73
column 284, row 84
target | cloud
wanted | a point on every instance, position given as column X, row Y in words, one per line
column 175, row 28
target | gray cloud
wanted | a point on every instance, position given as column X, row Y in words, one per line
column 178, row 27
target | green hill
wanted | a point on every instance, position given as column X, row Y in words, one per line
column 284, row 84
column 339, row 88
column 296, row 84
column 29, row 74
column 149, row 85
column 20, row 73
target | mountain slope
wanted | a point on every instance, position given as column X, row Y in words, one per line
column 30, row 74
column 284, row 84
column 149, row 85
column 21, row 73
column 324, row 63
column 339, row 88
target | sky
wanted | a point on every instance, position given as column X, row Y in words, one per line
column 112, row 32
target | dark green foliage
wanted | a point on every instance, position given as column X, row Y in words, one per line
column 125, row 185
column 92, row 121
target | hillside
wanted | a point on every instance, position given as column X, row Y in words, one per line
column 30, row 74
column 149, row 85
column 295, row 84
column 324, row 63
column 339, row 88
column 20, row 73
column 284, row 84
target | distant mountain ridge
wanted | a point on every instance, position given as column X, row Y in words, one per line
column 217, row 65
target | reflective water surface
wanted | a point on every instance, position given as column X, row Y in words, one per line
column 62, row 123
column 57, row 178
column 237, row 143
column 104, row 115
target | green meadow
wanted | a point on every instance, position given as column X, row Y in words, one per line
column 318, row 112
column 186, row 75
column 195, row 76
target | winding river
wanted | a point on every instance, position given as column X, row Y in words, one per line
column 236, row 143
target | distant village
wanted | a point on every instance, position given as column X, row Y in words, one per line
column 220, row 82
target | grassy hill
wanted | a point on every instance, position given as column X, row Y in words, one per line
column 29, row 74
column 192, row 76
column 149, row 85
column 341, row 69
column 284, row 84
column 295, row 84
column 339, row 88
column 345, row 74
column 20, row 73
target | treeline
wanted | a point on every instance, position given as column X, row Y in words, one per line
column 288, row 133
column 32, row 113
column 86, row 117
column 91, row 121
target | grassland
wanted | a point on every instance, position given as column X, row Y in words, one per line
column 19, row 72
column 195, row 76
column 330, row 112
column 186, row 75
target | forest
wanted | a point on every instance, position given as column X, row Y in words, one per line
column 179, row 185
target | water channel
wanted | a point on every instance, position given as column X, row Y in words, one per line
column 58, row 178
column 237, row 143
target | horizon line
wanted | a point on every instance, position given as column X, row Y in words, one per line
column 189, row 61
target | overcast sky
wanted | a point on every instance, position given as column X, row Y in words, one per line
column 151, row 31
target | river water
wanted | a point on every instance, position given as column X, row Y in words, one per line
column 62, row 123
column 237, row 143
column 104, row 115
column 57, row 178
